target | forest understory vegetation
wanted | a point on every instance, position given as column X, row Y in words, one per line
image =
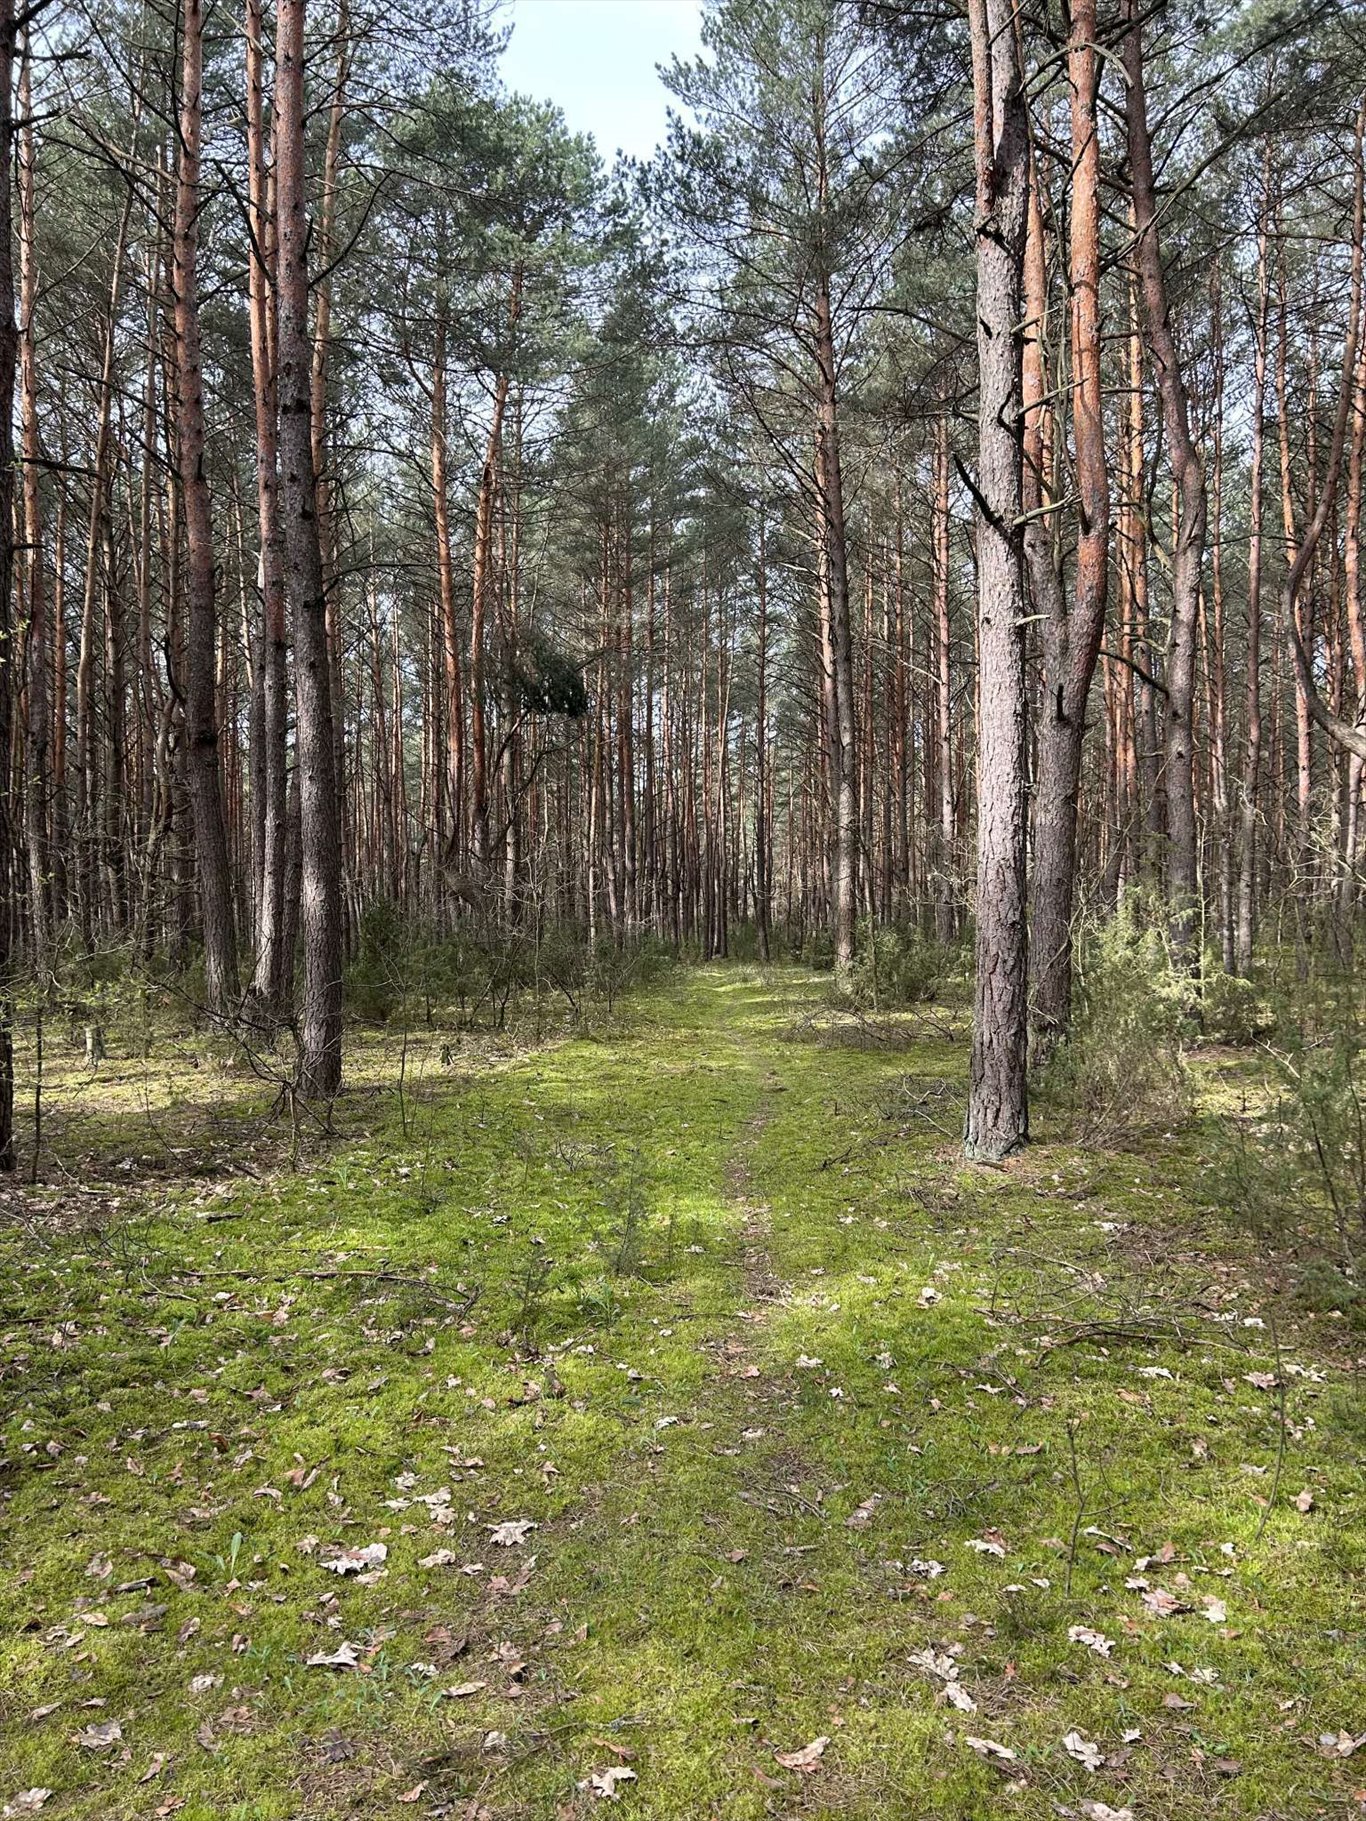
column 656, row 1389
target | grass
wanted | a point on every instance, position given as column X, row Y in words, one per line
column 711, row 1303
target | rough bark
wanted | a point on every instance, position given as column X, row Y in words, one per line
column 998, row 1113
column 320, row 1016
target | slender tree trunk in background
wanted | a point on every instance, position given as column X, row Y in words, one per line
column 1215, row 647
column 454, row 696
column 201, row 640
column 904, row 699
column 843, row 757
column 61, row 878
column 1349, row 736
column 1356, row 633
column 273, row 977
column 1302, row 854
column 944, row 892
column 483, row 563
column 320, row 1023
column 38, row 784
column 1071, row 639
column 87, row 756
column 322, row 237
column 489, row 481
column 762, row 883
column 9, row 677
column 998, row 1114
column 1147, row 835
column 1189, row 537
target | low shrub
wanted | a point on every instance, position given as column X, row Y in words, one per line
column 1235, row 1010
column 1122, row 1071
column 1292, row 1166
column 895, row 966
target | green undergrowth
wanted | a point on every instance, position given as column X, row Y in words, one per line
column 706, row 1409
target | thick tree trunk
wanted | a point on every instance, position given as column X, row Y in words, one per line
column 998, row 1115
column 320, row 1022
column 201, row 707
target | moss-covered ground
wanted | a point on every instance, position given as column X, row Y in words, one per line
column 709, row 1412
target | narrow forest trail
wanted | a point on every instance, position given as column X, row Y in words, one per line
column 709, row 1415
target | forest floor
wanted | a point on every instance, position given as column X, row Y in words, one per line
column 666, row 1416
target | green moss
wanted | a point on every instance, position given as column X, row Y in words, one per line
column 602, row 1271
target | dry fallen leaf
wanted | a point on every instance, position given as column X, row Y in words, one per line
column 512, row 1533
column 1084, row 1750
column 1101, row 1811
column 100, row 1737
column 860, row 1519
column 463, row 1690
column 1341, row 1744
column 27, row 1802
column 343, row 1657
column 603, row 1783
column 988, row 1748
column 987, row 1545
column 1304, row 1501
column 1161, row 1603
column 355, row 1561
column 1093, row 1640
column 807, row 1759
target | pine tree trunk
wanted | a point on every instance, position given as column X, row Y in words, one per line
column 843, row 757
column 1189, row 540
column 201, row 710
column 1072, row 637
column 320, row 1022
column 945, row 894
column 273, row 979
column 38, row 746
column 998, row 1116
column 9, row 678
